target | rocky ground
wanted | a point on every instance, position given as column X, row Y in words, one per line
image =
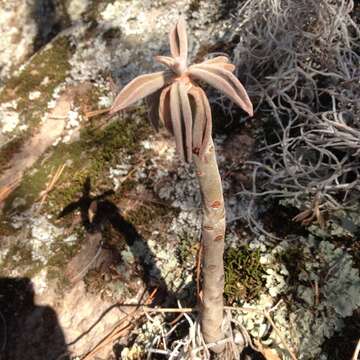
column 95, row 213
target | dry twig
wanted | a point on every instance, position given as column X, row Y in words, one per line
column 50, row 186
column 7, row 190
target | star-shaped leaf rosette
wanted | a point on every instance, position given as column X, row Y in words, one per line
column 177, row 101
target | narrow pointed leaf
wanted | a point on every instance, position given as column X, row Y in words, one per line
column 183, row 42
column 164, row 109
column 208, row 124
column 153, row 108
column 178, row 40
column 221, row 61
column 199, row 119
column 217, row 59
column 215, row 65
column 225, row 82
column 244, row 100
column 175, row 109
column 186, row 120
column 139, row 88
column 174, row 42
column 165, row 60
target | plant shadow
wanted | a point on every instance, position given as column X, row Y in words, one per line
column 97, row 214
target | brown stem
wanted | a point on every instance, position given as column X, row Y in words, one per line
column 213, row 234
column 91, row 114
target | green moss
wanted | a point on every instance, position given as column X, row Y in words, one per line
column 6, row 229
column 147, row 214
column 51, row 63
column 187, row 248
column 63, row 252
column 20, row 256
column 243, row 274
column 91, row 156
column 194, row 6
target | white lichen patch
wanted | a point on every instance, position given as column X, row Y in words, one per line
column 33, row 95
column 3, row 252
column 130, row 17
column 133, row 353
column 18, row 30
column 43, row 235
column 119, row 173
column 168, row 265
column 51, row 104
column 72, row 127
column 76, row 8
column 148, row 336
column 9, row 117
column 73, row 119
column 182, row 189
column 105, row 101
column 327, row 291
column 86, row 64
column 45, row 81
column 189, row 221
column 55, row 96
column 70, row 239
column 39, row 282
column 39, row 240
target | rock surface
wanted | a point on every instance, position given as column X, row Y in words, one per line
column 59, row 60
column 93, row 215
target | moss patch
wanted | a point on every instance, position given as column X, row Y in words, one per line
column 20, row 256
column 147, row 214
column 243, row 274
column 91, row 156
column 194, row 6
column 51, row 64
column 187, row 248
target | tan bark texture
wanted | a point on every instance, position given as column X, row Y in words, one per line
column 213, row 234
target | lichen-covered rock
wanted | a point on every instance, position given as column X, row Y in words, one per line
column 93, row 214
column 18, row 31
column 26, row 26
column 326, row 291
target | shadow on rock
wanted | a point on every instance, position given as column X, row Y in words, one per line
column 51, row 18
column 97, row 213
column 28, row 331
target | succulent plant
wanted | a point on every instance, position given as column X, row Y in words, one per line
column 177, row 101
column 182, row 106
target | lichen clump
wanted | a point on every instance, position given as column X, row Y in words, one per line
column 324, row 290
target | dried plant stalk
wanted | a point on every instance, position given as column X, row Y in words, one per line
column 213, row 235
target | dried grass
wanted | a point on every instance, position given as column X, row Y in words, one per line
column 300, row 61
